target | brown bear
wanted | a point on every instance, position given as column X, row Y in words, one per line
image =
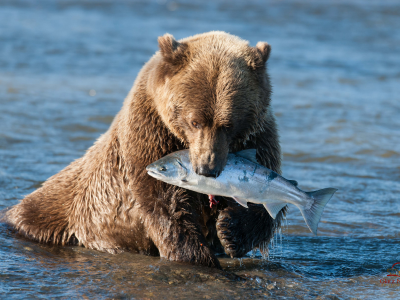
column 209, row 93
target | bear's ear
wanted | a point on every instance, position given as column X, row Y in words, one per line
column 264, row 49
column 260, row 55
column 172, row 51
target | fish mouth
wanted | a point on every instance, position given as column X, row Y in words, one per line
column 155, row 174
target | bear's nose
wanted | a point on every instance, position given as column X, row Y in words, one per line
column 206, row 171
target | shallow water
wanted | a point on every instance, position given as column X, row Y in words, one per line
column 66, row 66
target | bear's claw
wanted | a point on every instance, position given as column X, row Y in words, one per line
column 240, row 230
column 229, row 234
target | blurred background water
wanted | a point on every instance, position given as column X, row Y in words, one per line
column 66, row 66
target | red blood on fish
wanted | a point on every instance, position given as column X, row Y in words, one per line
column 213, row 201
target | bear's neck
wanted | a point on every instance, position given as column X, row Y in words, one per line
column 141, row 134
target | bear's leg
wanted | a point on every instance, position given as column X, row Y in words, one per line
column 242, row 229
column 178, row 244
column 175, row 229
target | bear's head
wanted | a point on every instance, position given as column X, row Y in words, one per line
column 211, row 92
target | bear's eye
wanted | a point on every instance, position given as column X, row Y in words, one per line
column 227, row 128
column 195, row 124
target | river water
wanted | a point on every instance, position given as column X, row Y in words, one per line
column 65, row 68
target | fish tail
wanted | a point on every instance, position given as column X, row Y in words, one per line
column 313, row 214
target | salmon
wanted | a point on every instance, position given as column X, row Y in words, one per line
column 244, row 180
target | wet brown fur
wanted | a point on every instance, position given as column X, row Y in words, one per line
column 106, row 201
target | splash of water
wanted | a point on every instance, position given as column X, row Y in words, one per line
column 264, row 250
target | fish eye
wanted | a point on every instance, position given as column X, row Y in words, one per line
column 163, row 168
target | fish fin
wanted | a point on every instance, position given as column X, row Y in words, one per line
column 249, row 154
column 312, row 215
column 274, row 208
column 242, row 202
column 294, row 182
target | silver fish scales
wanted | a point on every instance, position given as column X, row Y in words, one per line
column 244, row 180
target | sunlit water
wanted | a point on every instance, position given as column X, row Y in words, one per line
column 66, row 66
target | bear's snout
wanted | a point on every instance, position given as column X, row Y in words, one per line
column 210, row 164
column 209, row 153
column 206, row 171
